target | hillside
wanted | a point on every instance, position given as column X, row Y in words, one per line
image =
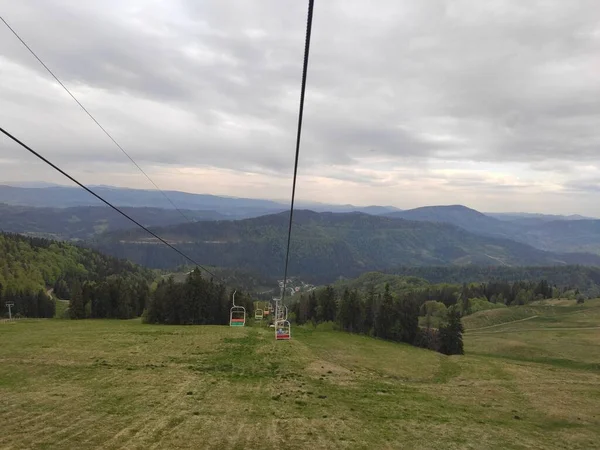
column 586, row 279
column 552, row 233
column 566, row 235
column 31, row 265
column 461, row 216
column 376, row 282
column 83, row 222
column 121, row 384
column 327, row 245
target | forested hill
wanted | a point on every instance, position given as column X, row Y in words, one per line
column 30, row 265
column 585, row 279
column 328, row 245
column 83, row 222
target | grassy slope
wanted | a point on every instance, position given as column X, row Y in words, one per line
column 114, row 384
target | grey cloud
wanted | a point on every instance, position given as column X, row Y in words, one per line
column 458, row 80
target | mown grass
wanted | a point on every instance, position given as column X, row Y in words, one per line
column 121, row 384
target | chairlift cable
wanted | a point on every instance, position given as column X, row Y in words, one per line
column 299, row 133
column 93, row 118
column 99, row 197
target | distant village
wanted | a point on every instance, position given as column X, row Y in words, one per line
column 296, row 286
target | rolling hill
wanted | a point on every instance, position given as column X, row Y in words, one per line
column 461, row 216
column 545, row 232
column 328, row 245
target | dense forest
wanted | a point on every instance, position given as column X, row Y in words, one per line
column 32, row 267
column 389, row 306
column 584, row 279
column 326, row 246
column 384, row 315
column 196, row 301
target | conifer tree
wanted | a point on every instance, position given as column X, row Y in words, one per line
column 450, row 335
column 76, row 305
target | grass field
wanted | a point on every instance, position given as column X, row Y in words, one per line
column 121, row 384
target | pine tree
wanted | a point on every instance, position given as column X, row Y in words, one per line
column 386, row 315
column 326, row 309
column 450, row 335
column 76, row 306
column 312, row 307
column 343, row 315
column 370, row 307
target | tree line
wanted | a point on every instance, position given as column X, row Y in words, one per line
column 569, row 278
column 116, row 297
column 196, row 301
column 394, row 315
column 382, row 315
column 27, row 303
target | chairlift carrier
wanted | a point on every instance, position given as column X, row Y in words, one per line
column 237, row 314
column 283, row 328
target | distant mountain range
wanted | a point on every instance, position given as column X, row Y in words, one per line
column 328, row 245
column 328, row 240
column 545, row 232
column 229, row 207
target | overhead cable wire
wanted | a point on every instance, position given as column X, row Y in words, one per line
column 299, row 133
column 55, row 167
column 104, row 130
column 92, row 117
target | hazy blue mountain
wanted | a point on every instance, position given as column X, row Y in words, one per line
column 231, row 207
column 324, row 207
column 544, row 232
column 566, row 235
column 461, row 216
column 534, row 219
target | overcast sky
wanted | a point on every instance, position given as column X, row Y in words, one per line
column 492, row 104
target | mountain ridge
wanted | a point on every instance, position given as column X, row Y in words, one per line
column 328, row 245
column 230, row 206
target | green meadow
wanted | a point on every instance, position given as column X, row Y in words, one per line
column 529, row 379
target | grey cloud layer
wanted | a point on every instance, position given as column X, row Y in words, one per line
column 216, row 82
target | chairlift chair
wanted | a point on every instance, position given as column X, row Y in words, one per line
column 283, row 330
column 258, row 314
column 237, row 314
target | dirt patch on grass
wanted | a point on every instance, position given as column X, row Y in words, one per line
column 321, row 369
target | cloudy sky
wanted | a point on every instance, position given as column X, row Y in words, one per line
column 493, row 104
